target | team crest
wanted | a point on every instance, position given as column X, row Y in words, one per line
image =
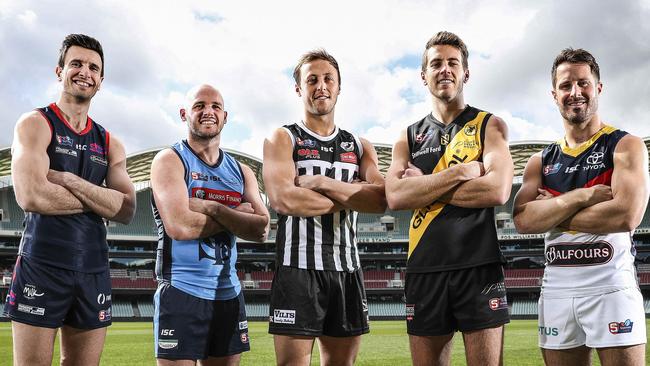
column 470, row 130
column 347, row 145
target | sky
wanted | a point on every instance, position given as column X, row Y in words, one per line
column 155, row 51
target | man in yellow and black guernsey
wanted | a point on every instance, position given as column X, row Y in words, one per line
column 452, row 167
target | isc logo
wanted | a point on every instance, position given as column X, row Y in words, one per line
column 167, row 332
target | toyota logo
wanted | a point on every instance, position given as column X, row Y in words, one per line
column 595, row 158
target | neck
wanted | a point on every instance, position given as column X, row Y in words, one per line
column 577, row 134
column 447, row 111
column 321, row 125
column 206, row 149
column 74, row 110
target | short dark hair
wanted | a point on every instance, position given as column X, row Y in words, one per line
column 84, row 41
column 575, row 56
column 317, row 54
column 449, row 39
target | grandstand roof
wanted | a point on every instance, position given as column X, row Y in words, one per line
column 139, row 164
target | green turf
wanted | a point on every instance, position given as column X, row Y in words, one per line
column 387, row 344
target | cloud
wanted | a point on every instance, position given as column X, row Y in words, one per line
column 156, row 50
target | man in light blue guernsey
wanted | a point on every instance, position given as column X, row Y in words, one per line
column 202, row 199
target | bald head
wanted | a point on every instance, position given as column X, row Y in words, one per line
column 204, row 111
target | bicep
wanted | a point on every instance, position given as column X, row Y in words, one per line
column 369, row 169
column 252, row 193
column 496, row 153
column 117, row 177
column 168, row 186
column 400, row 159
column 30, row 162
column 279, row 169
column 630, row 175
column 532, row 181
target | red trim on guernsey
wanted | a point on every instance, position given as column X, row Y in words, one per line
column 48, row 122
column 89, row 122
column 108, row 142
column 604, row 178
column 552, row 191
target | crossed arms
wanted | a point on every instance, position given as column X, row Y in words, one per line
column 470, row 185
column 49, row 192
column 598, row 209
column 305, row 196
column 191, row 218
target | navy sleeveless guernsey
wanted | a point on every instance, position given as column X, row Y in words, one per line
column 78, row 241
column 204, row 267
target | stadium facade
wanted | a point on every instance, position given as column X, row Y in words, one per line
column 382, row 241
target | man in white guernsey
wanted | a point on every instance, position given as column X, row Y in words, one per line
column 588, row 191
column 316, row 176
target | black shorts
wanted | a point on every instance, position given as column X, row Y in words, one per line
column 190, row 328
column 314, row 303
column 439, row 303
column 46, row 296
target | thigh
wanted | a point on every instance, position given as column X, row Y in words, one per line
column 232, row 360
column 299, row 300
column 578, row 356
column 293, row 349
column 484, row 346
column 338, row 350
column 39, row 295
column 181, row 324
column 434, row 350
column 622, row 356
column 478, row 297
column 558, row 328
column 229, row 329
column 347, row 310
column 427, row 310
column 32, row 345
column 91, row 307
column 614, row 319
column 81, row 346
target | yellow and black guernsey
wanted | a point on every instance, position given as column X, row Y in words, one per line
column 442, row 236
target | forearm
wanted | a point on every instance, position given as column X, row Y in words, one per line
column 540, row 216
column 108, row 203
column 362, row 197
column 248, row 226
column 301, row 202
column 486, row 191
column 606, row 217
column 49, row 199
column 415, row 192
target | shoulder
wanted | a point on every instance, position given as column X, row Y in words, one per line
column 629, row 143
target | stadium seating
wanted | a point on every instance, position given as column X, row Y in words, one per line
column 146, row 309
column 122, row 309
column 524, row 307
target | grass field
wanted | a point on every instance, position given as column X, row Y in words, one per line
column 387, row 344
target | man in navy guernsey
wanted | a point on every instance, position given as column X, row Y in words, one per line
column 588, row 192
column 452, row 167
column 316, row 176
column 202, row 199
column 68, row 174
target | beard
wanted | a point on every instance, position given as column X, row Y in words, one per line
column 582, row 115
column 201, row 135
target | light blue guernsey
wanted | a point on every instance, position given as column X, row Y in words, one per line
column 204, row 267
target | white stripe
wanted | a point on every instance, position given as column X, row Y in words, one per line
column 354, row 227
column 287, row 241
column 318, row 242
column 337, row 241
column 317, row 136
column 302, row 246
column 358, row 140
column 309, row 164
column 348, row 246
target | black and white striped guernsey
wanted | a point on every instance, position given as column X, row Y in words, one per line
column 327, row 242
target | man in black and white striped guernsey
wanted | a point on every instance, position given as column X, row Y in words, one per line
column 317, row 176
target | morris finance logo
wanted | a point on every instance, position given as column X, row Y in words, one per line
column 30, row 292
column 284, row 316
column 583, row 254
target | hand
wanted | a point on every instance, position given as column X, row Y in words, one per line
column 598, row 193
column 309, row 181
column 57, row 177
column 543, row 194
column 412, row 171
column 245, row 207
column 473, row 169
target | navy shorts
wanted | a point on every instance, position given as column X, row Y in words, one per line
column 49, row 297
column 314, row 303
column 190, row 328
column 439, row 303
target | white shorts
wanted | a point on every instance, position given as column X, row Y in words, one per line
column 608, row 320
